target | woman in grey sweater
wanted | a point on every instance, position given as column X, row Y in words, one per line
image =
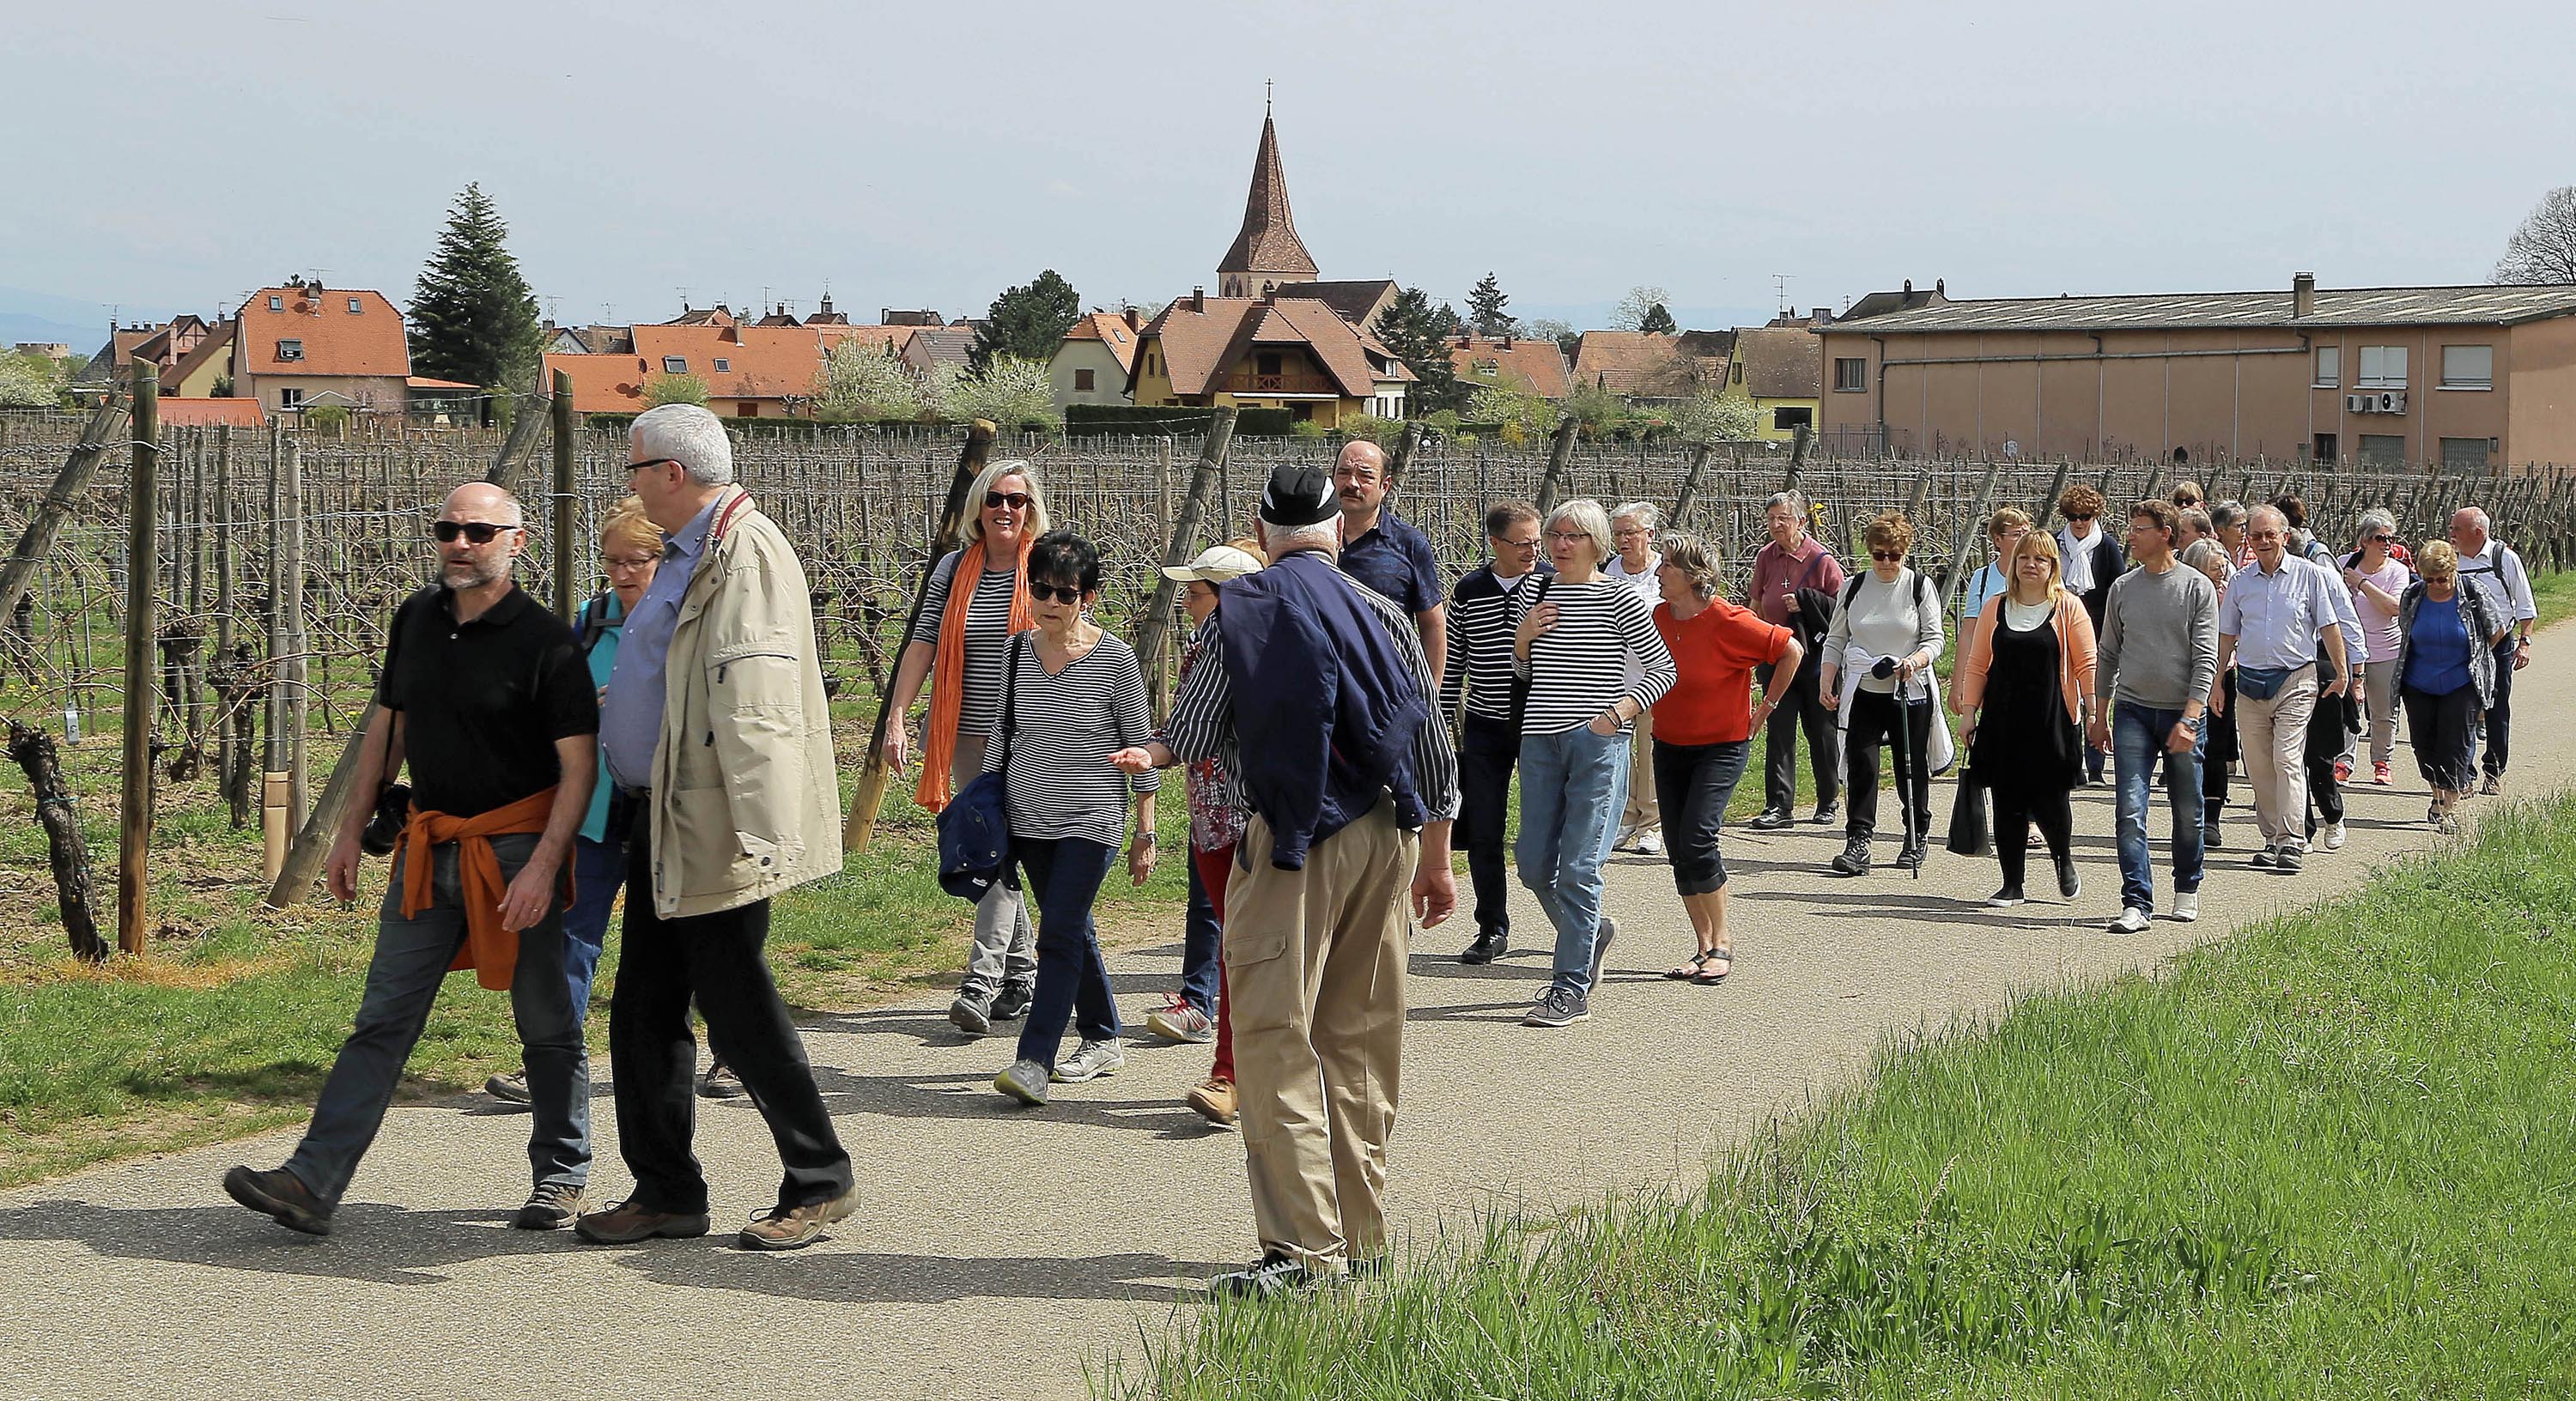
column 1878, row 673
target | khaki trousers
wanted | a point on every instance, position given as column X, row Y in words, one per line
column 2273, row 738
column 1314, row 966
column 1642, row 812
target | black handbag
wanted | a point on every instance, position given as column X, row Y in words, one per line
column 975, row 827
column 1969, row 834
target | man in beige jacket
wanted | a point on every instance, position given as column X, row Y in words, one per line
column 723, row 751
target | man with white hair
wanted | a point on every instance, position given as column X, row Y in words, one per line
column 2490, row 566
column 717, row 728
column 1632, row 535
column 1322, row 712
column 2270, row 620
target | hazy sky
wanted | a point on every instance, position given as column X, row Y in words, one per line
column 179, row 154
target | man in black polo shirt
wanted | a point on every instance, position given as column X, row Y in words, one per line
column 1388, row 554
column 488, row 696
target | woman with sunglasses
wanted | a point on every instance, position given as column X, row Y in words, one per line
column 1076, row 697
column 2377, row 580
column 2446, row 670
column 959, row 646
column 1877, row 673
column 2089, row 560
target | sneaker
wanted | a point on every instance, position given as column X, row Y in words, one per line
column 1826, row 812
column 551, row 1207
column 1649, row 844
column 282, row 1197
column 2268, row 856
column 626, row 1223
column 2209, row 837
column 2343, row 771
column 2446, row 823
column 1626, row 834
column 509, row 1089
column 1601, row 938
column 1490, row 944
column 1090, row 1061
column 2186, row 905
column 1771, row 820
column 2132, row 920
column 1013, row 1003
column 1855, row 858
column 2379, row 774
column 2005, row 898
column 971, row 1014
column 1178, row 1021
column 1025, row 1081
column 2333, row 835
column 1270, row 1277
column 2291, row 858
column 2493, row 786
column 2069, row 883
column 1558, row 1007
column 795, row 1227
column 720, row 1082
column 1213, row 1099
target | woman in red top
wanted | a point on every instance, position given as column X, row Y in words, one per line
column 1703, row 731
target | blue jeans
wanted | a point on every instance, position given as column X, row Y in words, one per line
column 598, row 873
column 403, row 977
column 1573, row 786
column 2137, row 738
column 1200, row 940
column 1073, row 984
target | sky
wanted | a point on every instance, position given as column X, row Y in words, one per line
column 931, row 155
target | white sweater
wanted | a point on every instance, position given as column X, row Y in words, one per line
column 1885, row 620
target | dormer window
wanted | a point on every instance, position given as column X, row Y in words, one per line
column 723, row 366
column 675, row 365
column 277, row 303
column 290, row 350
column 354, row 306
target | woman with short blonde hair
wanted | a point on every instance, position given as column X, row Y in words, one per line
column 2446, row 674
column 2026, row 675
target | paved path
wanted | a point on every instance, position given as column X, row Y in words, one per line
column 997, row 1247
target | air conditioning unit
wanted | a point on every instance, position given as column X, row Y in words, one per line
column 2359, row 403
column 2392, row 402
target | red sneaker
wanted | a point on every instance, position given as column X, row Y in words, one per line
column 2379, row 774
column 2343, row 772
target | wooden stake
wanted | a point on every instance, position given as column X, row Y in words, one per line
column 1560, row 460
column 34, row 751
column 1154, row 624
column 142, row 569
column 293, row 669
column 565, row 556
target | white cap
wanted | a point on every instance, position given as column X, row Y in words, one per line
column 1215, row 565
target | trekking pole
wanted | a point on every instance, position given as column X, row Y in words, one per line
column 1886, row 667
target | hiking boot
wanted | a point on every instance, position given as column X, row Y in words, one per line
column 2290, row 858
column 971, row 1013
column 2334, row 836
column 628, row 1222
column 2187, row 906
column 1910, row 856
column 2209, row 836
column 795, row 1227
column 1013, row 1003
column 2132, row 920
column 509, row 1089
column 1826, row 812
column 1490, row 944
column 1214, row 1100
column 2493, row 786
column 1855, row 858
column 2069, row 884
column 2270, row 855
column 1025, row 1081
column 1601, row 938
column 719, row 1083
column 551, row 1207
column 2379, row 774
column 1178, row 1021
column 1090, row 1061
column 1558, row 1006
column 2005, row 898
column 282, row 1197
column 1272, row 1276
column 1771, row 820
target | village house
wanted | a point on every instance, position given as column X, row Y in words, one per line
column 929, row 347
column 303, row 345
column 1652, row 364
column 1265, row 352
column 1528, row 364
column 2464, row 377
column 1780, row 370
column 1092, row 364
column 749, row 371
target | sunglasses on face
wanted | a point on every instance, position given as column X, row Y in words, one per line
column 480, row 532
column 2083, row 516
column 1889, row 556
column 2377, row 539
column 1016, row 500
column 1061, row 593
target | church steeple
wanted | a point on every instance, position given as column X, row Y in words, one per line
column 1267, row 252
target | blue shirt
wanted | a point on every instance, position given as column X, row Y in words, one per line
column 2437, row 651
column 1983, row 585
column 606, row 623
column 630, row 723
column 1395, row 559
column 2277, row 618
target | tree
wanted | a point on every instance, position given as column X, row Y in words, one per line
column 1009, row 390
column 675, row 389
column 473, row 318
column 862, row 381
column 2543, row 250
column 29, row 381
column 1417, row 330
column 1027, row 322
column 1514, row 408
column 1657, row 321
column 1568, row 340
column 1711, row 417
column 1486, row 304
column 1631, row 314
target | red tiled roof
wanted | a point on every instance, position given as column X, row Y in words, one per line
column 761, row 362
column 209, row 413
column 1358, row 302
column 1110, row 329
column 1200, row 346
column 1268, row 241
column 336, row 341
column 1532, row 364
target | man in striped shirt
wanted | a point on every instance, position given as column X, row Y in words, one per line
column 1476, row 697
column 1315, row 956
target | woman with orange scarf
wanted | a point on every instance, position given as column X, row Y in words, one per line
column 960, row 647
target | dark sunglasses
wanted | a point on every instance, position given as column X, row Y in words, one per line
column 2085, row 516
column 1887, row 555
column 2377, row 539
column 1061, row 593
column 480, row 532
column 1016, row 500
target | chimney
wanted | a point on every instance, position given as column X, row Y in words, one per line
column 2303, row 295
column 1909, row 286
column 1198, row 299
column 1134, row 322
column 1507, row 338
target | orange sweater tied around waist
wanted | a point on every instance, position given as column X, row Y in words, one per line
column 490, row 950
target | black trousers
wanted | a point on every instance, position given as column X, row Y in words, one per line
column 1802, row 705
column 718, row 959
column 2221, row 730
column 2015, row 809
column 2500, row 714
column 1873, row 723
column 1486, row 753
column 2327, row 732
column 2444, row 731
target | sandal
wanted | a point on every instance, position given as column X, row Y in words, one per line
column 1722, row 959
column 1685, row 972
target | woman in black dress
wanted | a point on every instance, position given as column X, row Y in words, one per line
column 2028, row 674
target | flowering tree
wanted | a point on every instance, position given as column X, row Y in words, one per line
column 29, row 382
column 1711, row 417
column 861, row 382
column 675, row 389
column 1009, row 391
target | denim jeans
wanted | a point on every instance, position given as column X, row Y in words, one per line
column 403, row 977
column 2137, row 736
column 1573, row 785
column 1201, row 938
column 1073, row 984
column 598, row 872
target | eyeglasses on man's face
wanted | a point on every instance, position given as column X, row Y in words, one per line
column 480, row 532
column 1504, row 543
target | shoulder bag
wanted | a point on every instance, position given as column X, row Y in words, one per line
column 975, row 827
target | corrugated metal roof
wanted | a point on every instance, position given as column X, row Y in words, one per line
column 2352, row 306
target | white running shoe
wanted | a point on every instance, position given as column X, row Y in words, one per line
column 1649, row 844
column 2187, row 905
column 2132, row 920
column 2331, row 836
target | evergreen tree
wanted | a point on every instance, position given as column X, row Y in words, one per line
column 473, row 318
column 1486, row 304
column 1417, row 330
column 1027, row 322
column 1658, row 321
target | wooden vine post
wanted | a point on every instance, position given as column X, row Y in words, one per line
column 68, row 852
column 1154, row 624
column 566, row 563
column 142, row 571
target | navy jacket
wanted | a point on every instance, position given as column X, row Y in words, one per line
column 1325, row 709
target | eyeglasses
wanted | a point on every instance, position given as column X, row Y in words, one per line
column 616, row 562
column 1888, row 556
column 1568, row 537
column 480, row 532
column 1528, row 544
column 1630, row 534
column 1061, row 593
column 1016, row 500
column 2080, row 516
column 634, row 467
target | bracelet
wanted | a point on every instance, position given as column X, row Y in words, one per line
column 1142, row 839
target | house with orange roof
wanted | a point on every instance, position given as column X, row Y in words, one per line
column 192, row 412
column 1529, row 364
column 1265, row 352
column 749, row 371
column 1098, row 354
column 303, row 345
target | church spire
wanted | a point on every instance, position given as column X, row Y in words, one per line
column 1267, row 252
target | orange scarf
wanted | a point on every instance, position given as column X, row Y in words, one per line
column 490, row 950
column 948, row 666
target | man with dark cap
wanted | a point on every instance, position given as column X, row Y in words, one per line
column 1322, row 711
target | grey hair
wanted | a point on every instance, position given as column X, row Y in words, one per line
column 1585, row 515
column 1691, row 555
column 689, row 435
column 2376, row 519
column 2485, row 526
column 1642, row 512
column 2226, row 513
column 989, row 479
column 1277, row 540
column 2275, row 512
column 1796, row 501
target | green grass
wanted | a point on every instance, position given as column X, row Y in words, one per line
column 2328, row 1157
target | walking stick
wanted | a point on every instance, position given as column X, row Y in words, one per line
column 1884, row 668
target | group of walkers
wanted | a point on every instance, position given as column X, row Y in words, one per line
column 1337, row 710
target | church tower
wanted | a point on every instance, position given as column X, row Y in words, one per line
column 1267, row 252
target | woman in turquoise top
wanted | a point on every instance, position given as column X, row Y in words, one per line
column 630, row 549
